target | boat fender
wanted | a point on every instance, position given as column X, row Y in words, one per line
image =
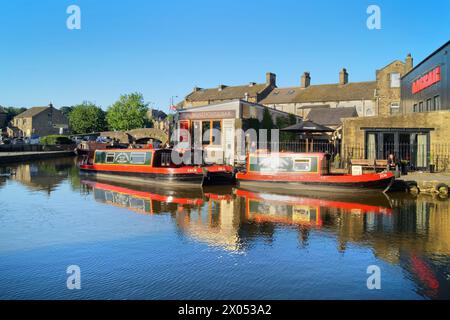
column 442, row 189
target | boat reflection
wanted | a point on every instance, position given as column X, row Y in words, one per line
column 263, row 207
column 144, row 200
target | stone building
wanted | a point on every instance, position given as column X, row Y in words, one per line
column 39, row 121
column 196, row 126
column 370, row 98
column 416, row 130
column 253, row 92
column 388, row 81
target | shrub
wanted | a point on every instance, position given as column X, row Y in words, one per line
column 55, row 139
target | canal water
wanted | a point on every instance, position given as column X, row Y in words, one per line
column 136, row 242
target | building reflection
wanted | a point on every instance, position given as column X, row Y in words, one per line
column 217, row 223
column 42, row 175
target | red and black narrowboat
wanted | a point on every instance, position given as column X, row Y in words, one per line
column 148, row 165
column 306, row 171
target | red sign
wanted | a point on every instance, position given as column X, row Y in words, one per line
column 427, row 80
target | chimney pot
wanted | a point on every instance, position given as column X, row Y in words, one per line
column 343, row 76
column 271, row 79
column 409, row 62
column 305, row 80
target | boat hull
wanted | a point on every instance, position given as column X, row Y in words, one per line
column 148, row 178
column 381, row 185
column 219, row 175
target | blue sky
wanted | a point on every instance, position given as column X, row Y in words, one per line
column 164, row 48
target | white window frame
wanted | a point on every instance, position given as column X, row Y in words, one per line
column 397, row 82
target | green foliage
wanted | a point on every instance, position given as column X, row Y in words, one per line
column 129, row 112
column 284, row 122
column 55, row 139
column 267, row 122
column 11, row 112
column 170, row 117
column 66, row 110
column 87, row 118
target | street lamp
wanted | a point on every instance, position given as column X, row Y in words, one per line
column 172, row 107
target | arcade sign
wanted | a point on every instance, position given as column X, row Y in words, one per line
column 427, row 80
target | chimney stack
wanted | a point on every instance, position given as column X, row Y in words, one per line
column 409, row 62
column 271, row 79
column 251, row 84
column 196, row 89
column 343, row 76
column 305, row 80
column 221, row 87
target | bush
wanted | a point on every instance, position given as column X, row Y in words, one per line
column 55, row 139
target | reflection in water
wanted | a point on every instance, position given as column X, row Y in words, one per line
column 400, row 230
column 45, row 175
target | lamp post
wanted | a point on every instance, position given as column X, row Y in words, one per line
column 171, row 102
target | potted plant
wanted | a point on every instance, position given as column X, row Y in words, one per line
column 337, row 161
column 404, row 167
column 431, row 163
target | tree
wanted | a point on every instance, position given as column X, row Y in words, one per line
column 87, row 118
column 284, row 122
column 11, row 112
column 129, row 112
column 66, row 110
column 267, row 123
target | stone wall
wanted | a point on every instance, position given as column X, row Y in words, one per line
column 385, row 93
column 354, row 136
column 43, row 123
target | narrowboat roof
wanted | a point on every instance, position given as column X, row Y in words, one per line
column 130, row 150
column 285, row 153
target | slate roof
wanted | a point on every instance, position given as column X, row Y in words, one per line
column 308, row 126
column 32, row 112
column 227, row 93
column 323, row 93
column 331, row 116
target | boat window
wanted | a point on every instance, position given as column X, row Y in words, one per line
column 166, row 159
column 303, row 165
column 110, row 157
column 100, row 157
column 138, row 157
column 137, row 204
column 274, row 164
